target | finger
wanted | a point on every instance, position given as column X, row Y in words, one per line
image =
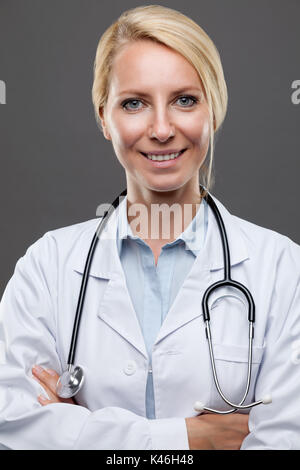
column 47, row 382
column 47, row 377
column 50, row 395
column 44, row 401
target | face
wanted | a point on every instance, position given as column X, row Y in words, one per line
column 156, row 103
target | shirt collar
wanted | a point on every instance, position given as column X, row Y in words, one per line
column 106, row 262
column 193, row 236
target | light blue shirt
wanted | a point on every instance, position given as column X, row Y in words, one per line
column 153, row 288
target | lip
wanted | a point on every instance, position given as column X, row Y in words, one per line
column 167, row 163
column 162, row 152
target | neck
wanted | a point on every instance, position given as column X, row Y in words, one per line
column 161, row 216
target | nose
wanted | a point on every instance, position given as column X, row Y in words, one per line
column 161, row 128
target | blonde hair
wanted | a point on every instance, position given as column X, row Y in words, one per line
column 169, row 27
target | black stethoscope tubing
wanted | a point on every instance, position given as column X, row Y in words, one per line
column 86, row 271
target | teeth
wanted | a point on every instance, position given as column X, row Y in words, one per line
column 171, row 156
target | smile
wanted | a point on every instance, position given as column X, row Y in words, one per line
column 160, row 158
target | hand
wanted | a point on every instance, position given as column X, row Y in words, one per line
column 48, row 379
column 217, row 432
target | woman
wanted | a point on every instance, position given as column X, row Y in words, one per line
column 159, row 93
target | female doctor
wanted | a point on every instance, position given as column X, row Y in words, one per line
column 158, row 90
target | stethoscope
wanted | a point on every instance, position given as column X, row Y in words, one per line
column 71, row 381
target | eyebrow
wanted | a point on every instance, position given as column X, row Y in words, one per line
column 179, row 90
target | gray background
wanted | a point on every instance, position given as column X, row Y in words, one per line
column 56, row 167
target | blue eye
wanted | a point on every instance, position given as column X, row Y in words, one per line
column 191, row 98
column 130, row 101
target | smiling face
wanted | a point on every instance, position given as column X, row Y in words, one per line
column 156, row 103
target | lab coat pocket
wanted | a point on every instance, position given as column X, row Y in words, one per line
column 232, row 366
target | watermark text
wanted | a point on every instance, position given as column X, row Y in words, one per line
column 295, row 97
column 2, row 92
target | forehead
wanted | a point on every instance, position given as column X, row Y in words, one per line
column 145, row 64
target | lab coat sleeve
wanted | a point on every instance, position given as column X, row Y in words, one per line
column 277, row 425
column 27, row 337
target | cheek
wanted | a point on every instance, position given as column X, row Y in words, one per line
column 197, row 130
column 125, row 132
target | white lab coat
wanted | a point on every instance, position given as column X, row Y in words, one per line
column 37, row 312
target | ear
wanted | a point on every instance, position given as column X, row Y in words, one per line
column 103, row 123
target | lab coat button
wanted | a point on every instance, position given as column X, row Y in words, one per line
column 130, row 368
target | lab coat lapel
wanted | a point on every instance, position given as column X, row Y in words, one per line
column 115, row 307
column 117, row 311
column 188, row 302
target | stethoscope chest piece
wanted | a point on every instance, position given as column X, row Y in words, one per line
column 70, row 382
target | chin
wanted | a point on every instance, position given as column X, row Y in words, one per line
column 165, row 186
